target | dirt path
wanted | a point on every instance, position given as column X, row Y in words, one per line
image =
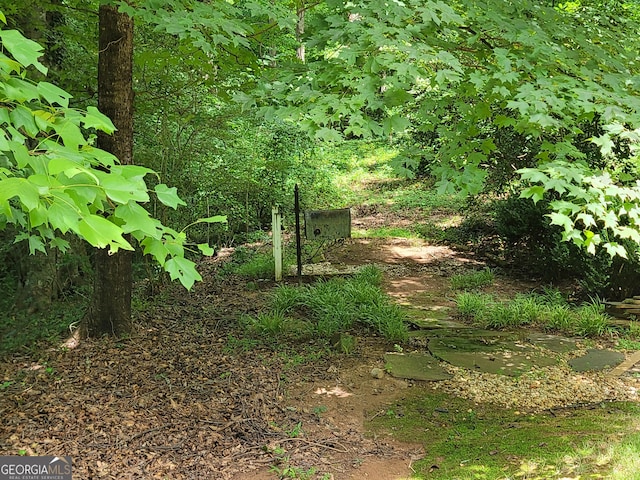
column 345, row 391
column 186, row 398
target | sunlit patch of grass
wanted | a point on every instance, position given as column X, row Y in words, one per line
column 626, row 344
column 385, row 232
column 415, row 196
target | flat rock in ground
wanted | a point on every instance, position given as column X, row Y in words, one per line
column 497, row 355
column 434, row 323
column 487, row 337
column 414, row 366
column 554, row 343
column 596, row 360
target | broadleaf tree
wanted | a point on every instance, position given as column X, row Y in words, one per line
column 54, row 181
column 464, row 70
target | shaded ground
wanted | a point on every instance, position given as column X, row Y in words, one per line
column 187, row 397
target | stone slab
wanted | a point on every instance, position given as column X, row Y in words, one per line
column 432, row 323
column 596, row 360
column 554, row 343
column 414, row 366
column 497, row 355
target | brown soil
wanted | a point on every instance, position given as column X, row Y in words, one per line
column 175, row 401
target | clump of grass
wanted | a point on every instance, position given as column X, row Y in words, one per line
column 552, row 296
column 474, row 306
column 558, row 318
column 430, row 231
column 592, row 321
column 260, row 265
column 252, row 263
column 633, row 331
column 549, row 311
column 271, row 323
column 368, row 274
column 473, row 280
column 336, row 305
column 503, row 315
column 529, row 308
column 626, row 344
column 286, row 298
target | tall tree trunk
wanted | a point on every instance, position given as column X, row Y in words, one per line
column 110, row 312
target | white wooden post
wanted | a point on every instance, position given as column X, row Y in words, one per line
column 276, row 234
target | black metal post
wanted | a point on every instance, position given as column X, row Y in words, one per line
column 298, row 241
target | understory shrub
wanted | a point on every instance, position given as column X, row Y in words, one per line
column 536, row 245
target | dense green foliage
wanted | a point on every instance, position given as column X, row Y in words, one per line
column 534, row 98
column 53, row 180
column 472, row 78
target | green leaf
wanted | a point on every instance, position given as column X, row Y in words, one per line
column 605, row 143
column 137, row 219
column 561, row 220
column 184, row 270
column 156, row 248
column 98, row 120
column 132, row 172
column 38, row 216
column 396, row 96
column 54, row 94
column 120, row 189
column 35, row 245
column 101, row 233
column 328, row 135
column 70, row 133
column 614, row 249
column 63, row 214
column 630, row 233
column 395, row 124
column 69, row 168
column 536, row 193
column 586, row 219
column 22, row 117
column 21, row 188
column 59, row 243
column 214, row 219
column 23, row 50
column 168, row 196
column 205, row 249
column 533, row 175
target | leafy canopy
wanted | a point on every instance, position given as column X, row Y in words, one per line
column 470, row 68
column 53, row 181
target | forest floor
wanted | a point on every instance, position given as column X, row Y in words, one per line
column 189, row 397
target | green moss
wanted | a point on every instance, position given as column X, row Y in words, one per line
column 467, row 441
